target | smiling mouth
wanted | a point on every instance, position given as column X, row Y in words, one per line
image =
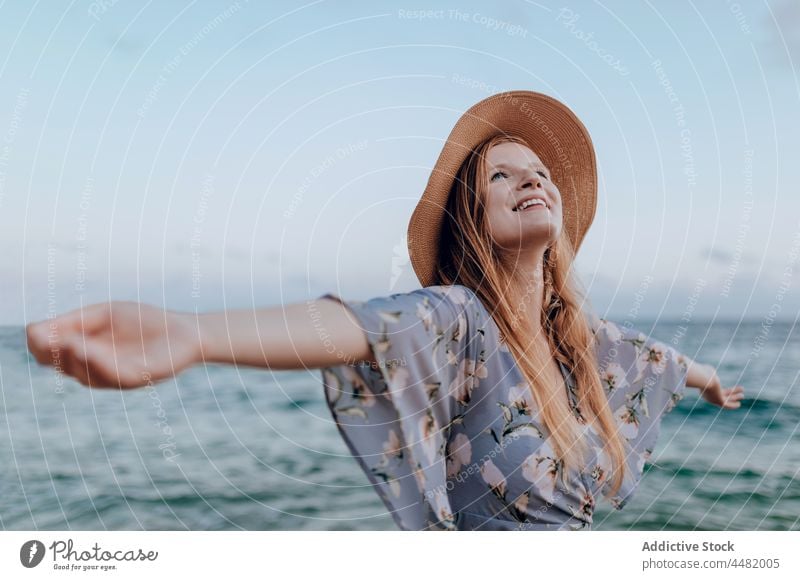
column 531, row 205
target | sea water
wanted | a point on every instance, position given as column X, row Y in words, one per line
column 221, row 447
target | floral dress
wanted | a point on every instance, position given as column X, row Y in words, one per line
column 447, row 431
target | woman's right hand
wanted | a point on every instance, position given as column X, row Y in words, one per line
column 716, row 394
column 117, row 344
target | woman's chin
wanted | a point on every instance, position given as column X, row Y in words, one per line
column 540, row 238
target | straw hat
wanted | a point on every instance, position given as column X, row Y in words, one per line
column 549, row 128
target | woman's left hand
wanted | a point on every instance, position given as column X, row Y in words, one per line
column 714, row 393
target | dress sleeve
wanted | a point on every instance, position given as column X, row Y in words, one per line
column 395, row 416
column 644, row 379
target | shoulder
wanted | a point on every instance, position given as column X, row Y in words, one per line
column 455, row 302
column 461, row 298
column 605, row 330
column 455, row 293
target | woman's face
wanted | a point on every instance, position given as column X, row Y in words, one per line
column 517, row 174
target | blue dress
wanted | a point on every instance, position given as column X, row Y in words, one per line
column 447, row 431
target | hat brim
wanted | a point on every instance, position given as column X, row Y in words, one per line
column 551, row 130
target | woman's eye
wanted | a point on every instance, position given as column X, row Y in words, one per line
column 496, row 174
column 543, row 174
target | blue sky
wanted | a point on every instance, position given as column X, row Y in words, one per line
column 210, row 155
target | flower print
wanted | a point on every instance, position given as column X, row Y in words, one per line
column 393, row 447
column 597, row 474
column 452, row 358
column 440, row 504
column 425, row 313
column 573, row 400
column 653, row 357
column 616, row 502
column 452, row 346
column 494, row 479
column 529, row 429
column 502, row 344
column 459, row 453
column 576, row 527
column 383, row 344
column 456, row 420
column 490, row 431
column 480, row 370
column 398, row 378
column 460, row 329
column 613, row 377
column 467, row 380
column 419, row 474
column 388, row 478
column 642, row 459
column 520, row 397
column 361, row 392
column 508, row 416
column 457, row 294
column 638, row 341
column 390, row 315
column 519, row 509
column 429, row 432
column 602, row 468
column 586, row 505
column 352, row 411
column 335, row 385
column 613, row 332
column 673, row 400
column 394, row 487
column 541, row 470
column 638, row 399
column 627, row 421
column 657, row 356
column 432, row 390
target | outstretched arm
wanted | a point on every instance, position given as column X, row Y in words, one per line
column 705, row 378
column 128, row 344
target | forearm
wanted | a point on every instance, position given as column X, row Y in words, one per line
column 312, row 334
column 699, row 375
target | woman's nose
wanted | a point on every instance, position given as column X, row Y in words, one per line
column 531, row 180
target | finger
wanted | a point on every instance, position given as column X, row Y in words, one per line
column 38, row 339
column 86, row 362
column 89, row 365
column 46, row 337
column 733, row 404
column 106, row 371
column 63, row 359
column 86, row 319
column 78, row 363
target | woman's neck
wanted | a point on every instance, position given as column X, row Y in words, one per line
column 526, row 293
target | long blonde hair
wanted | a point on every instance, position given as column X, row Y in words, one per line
column 467, row 256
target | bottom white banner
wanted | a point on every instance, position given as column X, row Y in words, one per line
column 103, row 554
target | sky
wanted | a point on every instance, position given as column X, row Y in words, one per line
column 201, row 156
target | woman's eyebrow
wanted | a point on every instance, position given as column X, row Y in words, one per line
column 532, row 164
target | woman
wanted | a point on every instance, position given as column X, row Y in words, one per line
column 486, row 400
